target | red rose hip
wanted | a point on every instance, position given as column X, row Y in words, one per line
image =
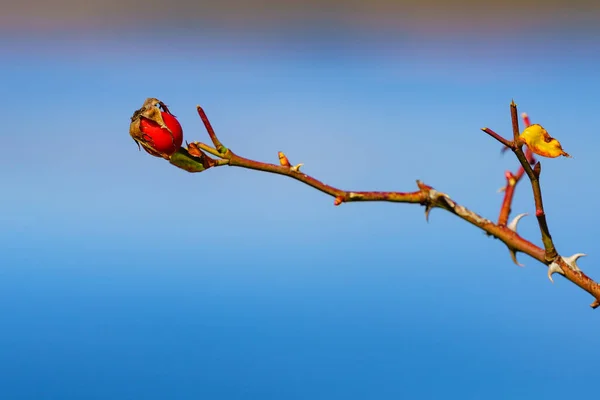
column 166, row 140
column 156, row 129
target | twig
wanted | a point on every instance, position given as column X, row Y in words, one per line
column 431, row 198
column 509, row 190
column 211, row 132
column 499, row 138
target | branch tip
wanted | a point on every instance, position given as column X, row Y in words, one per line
column 506, row 143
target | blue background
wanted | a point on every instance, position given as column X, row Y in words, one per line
column 125, row 278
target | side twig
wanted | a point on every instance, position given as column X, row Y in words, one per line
column 534, row 177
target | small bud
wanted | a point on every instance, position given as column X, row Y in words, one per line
column 537, row 169
column 422, row 186
column 338, row 200
column 510, row 178
column 283, row 160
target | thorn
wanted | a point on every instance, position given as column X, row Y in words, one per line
column 427, row 210
column 338, row 200
column 554, row 268
column 502, row 189
column 515, row 221
column 513, row 256
column 296, row 168
column 283, row 160
column 572, row 261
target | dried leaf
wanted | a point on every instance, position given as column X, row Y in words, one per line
column 541, row 143
column 194, row 150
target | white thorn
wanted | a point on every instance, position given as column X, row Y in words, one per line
column 515, row 221
column 502, row 189
column 554, row 268
column 296, row 167
column 513, row 255
column 572, row 261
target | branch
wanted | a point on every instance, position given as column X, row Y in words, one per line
column 534, row 177
column 425, row 195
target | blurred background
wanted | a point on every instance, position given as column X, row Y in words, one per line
column 122, row 277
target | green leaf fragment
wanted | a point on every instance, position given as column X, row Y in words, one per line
column 182, row 159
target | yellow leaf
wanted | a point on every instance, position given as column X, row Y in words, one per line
column 541, row 143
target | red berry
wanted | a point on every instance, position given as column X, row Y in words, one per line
column 161, row 139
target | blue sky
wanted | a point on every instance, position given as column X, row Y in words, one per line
column 122, row 277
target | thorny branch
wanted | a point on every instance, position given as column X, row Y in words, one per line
column 196, row 159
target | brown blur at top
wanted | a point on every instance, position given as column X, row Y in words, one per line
column 420, row 17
